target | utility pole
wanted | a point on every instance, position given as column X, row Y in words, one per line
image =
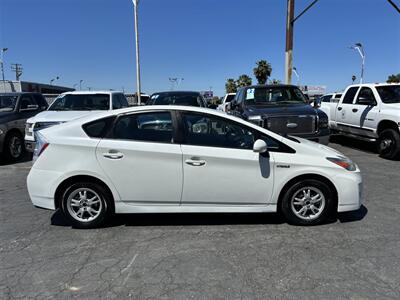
column 290, row 20
column 289, row 42
column 2, row 61
column 138, row 83
column 17, row 68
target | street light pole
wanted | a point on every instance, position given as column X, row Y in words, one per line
column 80, row 84
column 360, row 50
column 138, row 87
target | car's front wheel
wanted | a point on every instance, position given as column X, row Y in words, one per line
column 307, row 202
column 389, row 144
column 86, row 204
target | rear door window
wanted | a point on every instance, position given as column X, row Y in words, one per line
column 149, row 127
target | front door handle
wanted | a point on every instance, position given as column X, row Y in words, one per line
column 113, row 154
column 195, row 162
column 355, row 110
column 339, row 108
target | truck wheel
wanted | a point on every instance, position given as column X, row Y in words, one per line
column 307, row 202
column 389, row 144
column 13, row 146
column 86, row 205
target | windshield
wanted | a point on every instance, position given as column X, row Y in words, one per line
column 389, row 93
column 81, row 102
column 187, row 99
column 274, row 95
column 7, row 103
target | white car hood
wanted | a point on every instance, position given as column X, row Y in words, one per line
column 59, row 116
column 318, row 149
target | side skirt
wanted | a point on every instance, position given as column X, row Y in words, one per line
column 124, row 208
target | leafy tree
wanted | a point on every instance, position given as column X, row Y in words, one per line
column 230, row 86
column 243, row 81
column 393, row 78
column 276, row 81
column 262, row 71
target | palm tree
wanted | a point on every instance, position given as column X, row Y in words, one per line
column 230, row 86
column 243, row 81
column 262, row 71
column 393, row 78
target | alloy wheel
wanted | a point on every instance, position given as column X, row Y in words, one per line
column 84, row 205
column 308, row 203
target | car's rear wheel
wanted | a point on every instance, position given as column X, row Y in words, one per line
column 86, row 204
column 14, row 146
column 307, row 202
column 389, row 144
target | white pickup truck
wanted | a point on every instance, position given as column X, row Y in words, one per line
column 70, row 106
column 227, row 99
column 369, row 112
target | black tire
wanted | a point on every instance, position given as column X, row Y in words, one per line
column 288, row 203
column 389, row 144
column 104, row 206
column 13, row 141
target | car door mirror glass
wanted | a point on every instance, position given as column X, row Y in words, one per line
column 260, row 146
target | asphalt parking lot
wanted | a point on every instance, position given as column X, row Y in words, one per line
column 221, row 256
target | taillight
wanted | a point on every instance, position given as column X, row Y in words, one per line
column 41, row 145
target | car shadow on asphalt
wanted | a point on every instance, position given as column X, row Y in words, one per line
column 25, row 158
column 205, row 219
column 369, row 147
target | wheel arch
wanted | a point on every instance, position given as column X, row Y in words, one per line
column 387, row 124
column 79, row 178
column 298, row 178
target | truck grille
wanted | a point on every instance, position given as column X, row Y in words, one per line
column 291, row 124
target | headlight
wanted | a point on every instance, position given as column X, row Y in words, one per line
column 343, row 162
column 1, row 132
column 323, row 123
column 258, row 120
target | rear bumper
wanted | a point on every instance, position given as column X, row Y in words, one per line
column 42, row 186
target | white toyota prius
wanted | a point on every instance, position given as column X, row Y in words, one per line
column 176, row 159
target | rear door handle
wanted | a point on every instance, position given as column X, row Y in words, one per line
column 195, row 162
column 339, row 108
column 355, row 110
column 113, row 155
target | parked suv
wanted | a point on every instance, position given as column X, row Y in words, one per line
column 177, row 98
column 282, row 109
column 369, row 112
column 15, row 109
column 70, row 106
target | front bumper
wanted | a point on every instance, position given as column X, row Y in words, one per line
column 30, row 146
column 349, row 187
column 321, row 136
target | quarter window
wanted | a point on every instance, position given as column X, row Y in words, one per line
column 151, row 127
column 204, row 130
column 349, row 96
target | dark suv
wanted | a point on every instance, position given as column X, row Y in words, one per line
column 177, row 98
column 15, row 109
column 282, row 109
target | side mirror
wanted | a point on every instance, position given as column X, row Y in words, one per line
column 260, row 146
column 31, row 107
column 366, row 101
